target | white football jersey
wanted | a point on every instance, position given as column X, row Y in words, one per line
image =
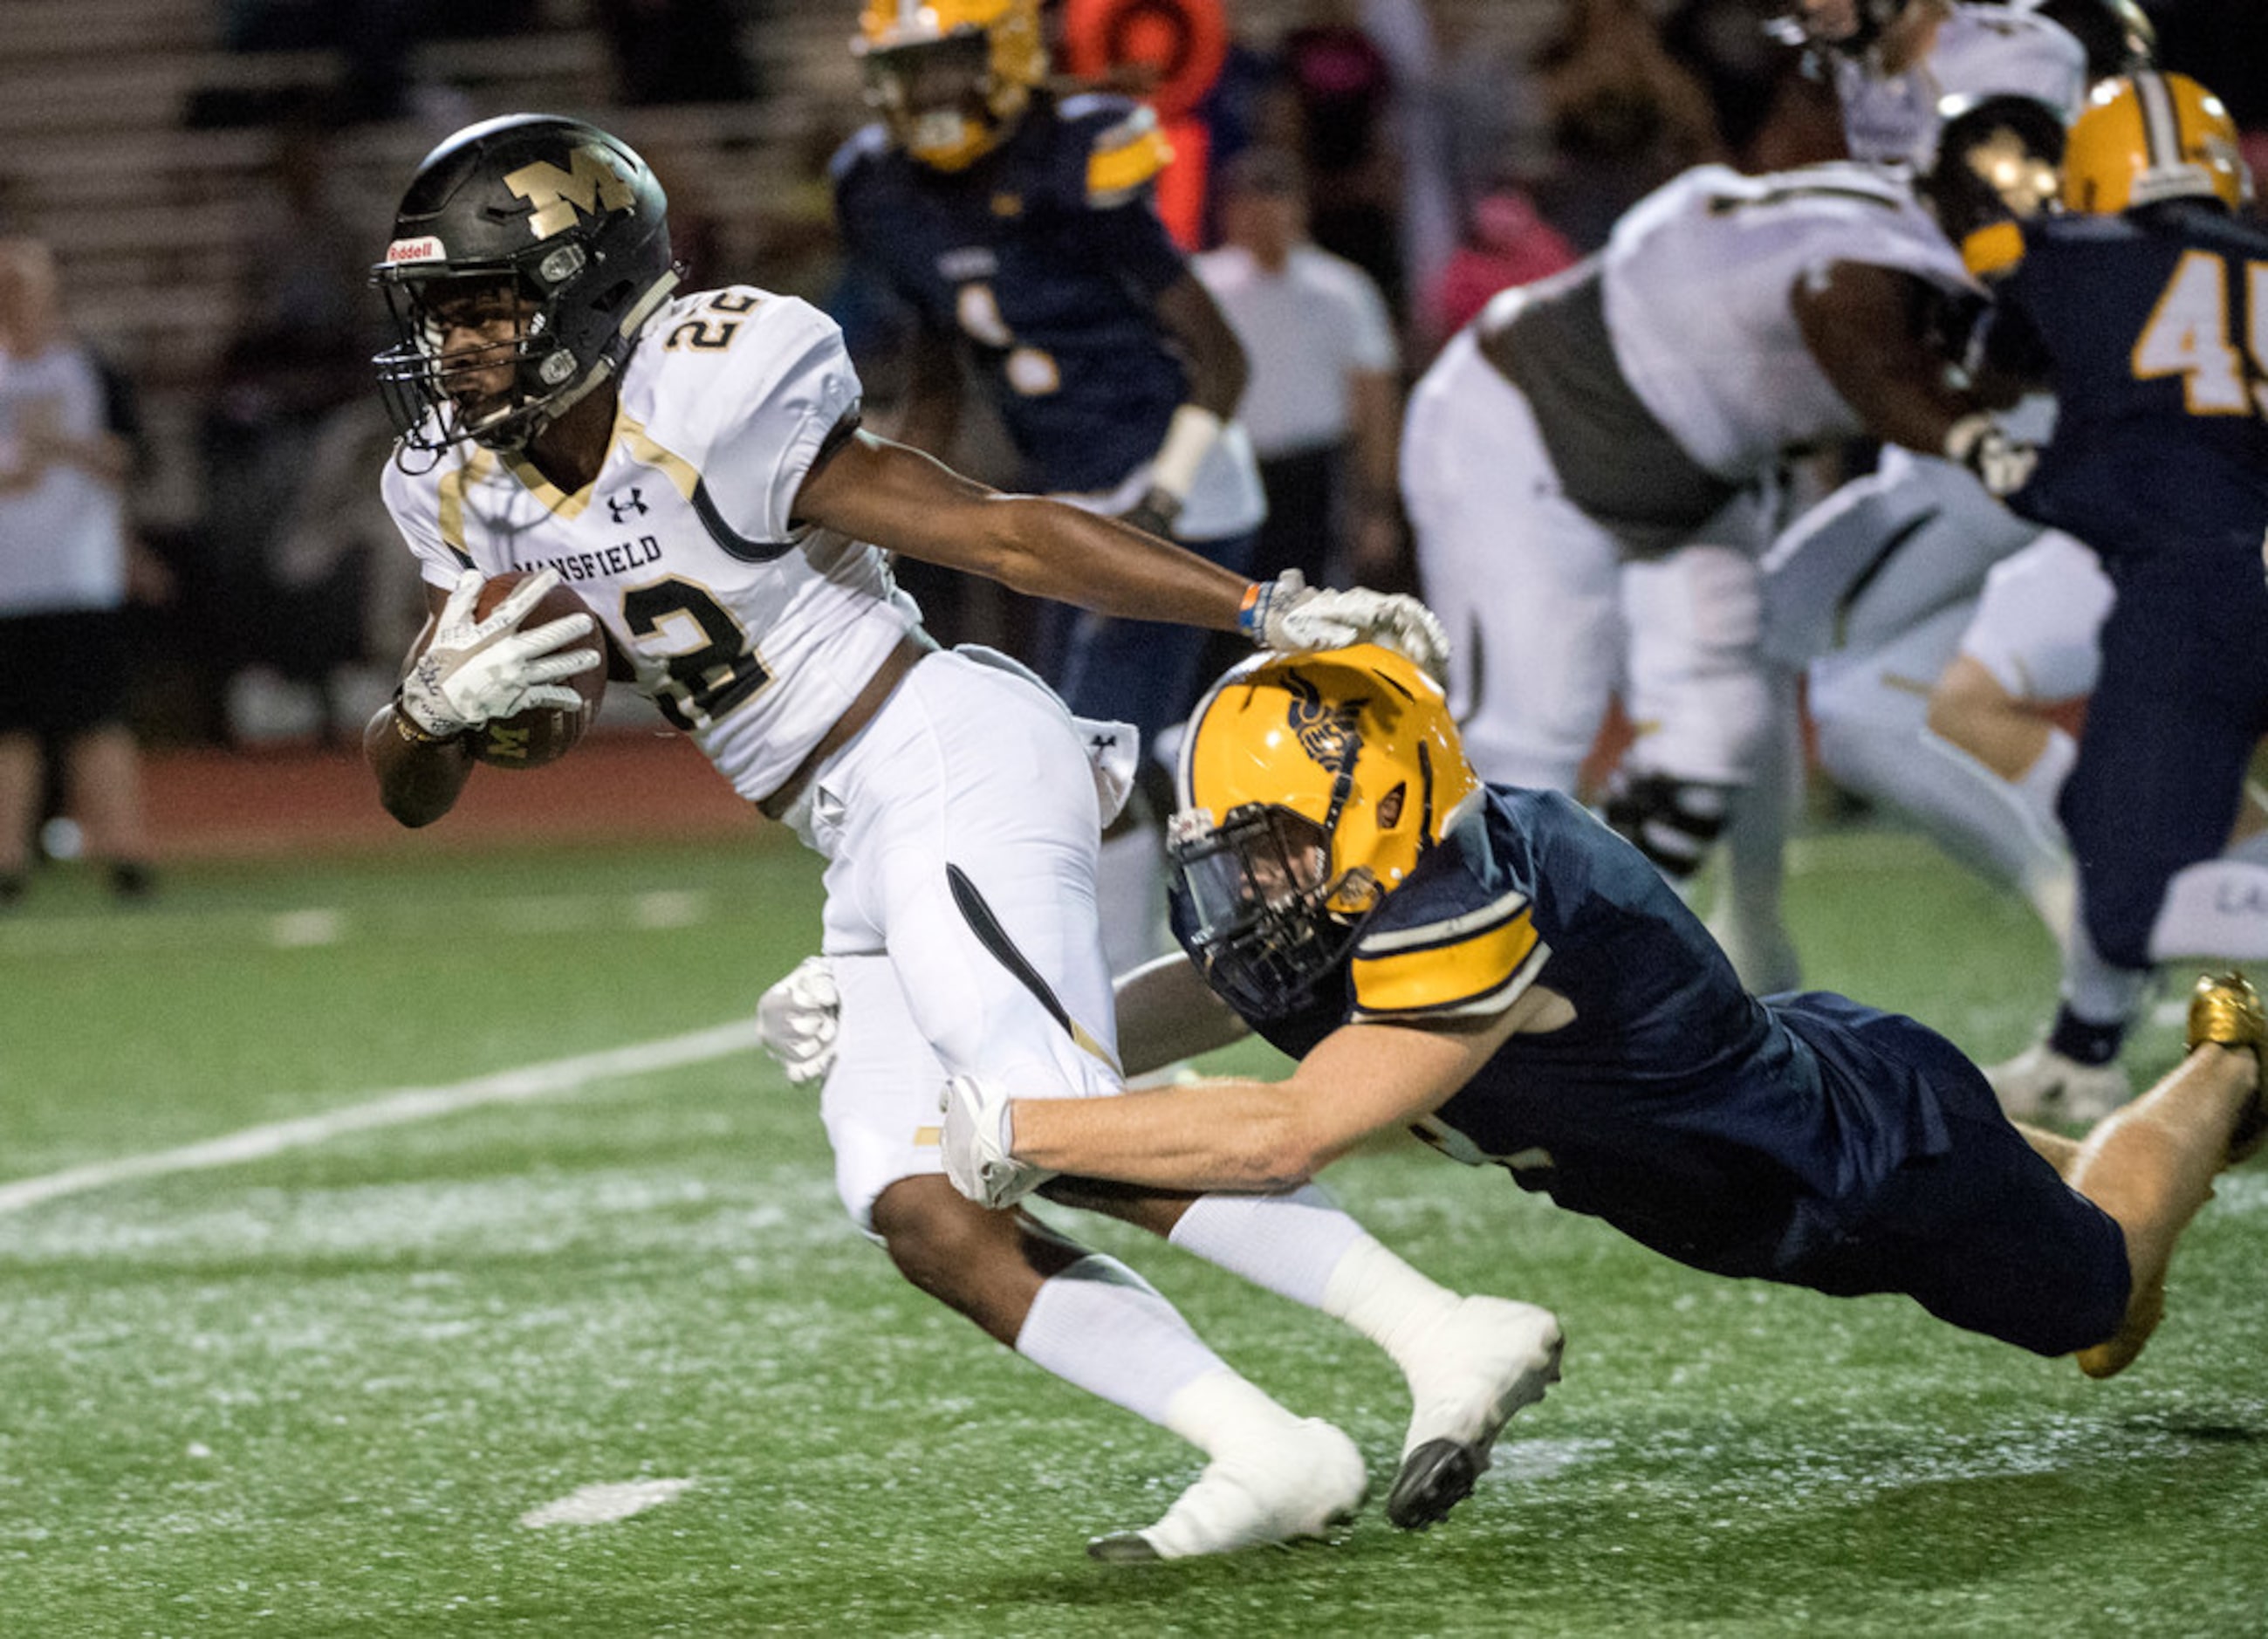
column 1979, row 51
column 1698, row 278
column 751, row 635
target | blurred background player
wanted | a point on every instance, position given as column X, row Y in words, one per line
column 1636, row 409
column 1019, row 228
column 2132, row 307
column 1497, row 971
column 1892, row 64
column 67, row 568
column 1324, row 405
column 694, row 464
column 1876, row 572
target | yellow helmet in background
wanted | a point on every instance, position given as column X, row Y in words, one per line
column 950, row 76
column 1310, row 785
column 2146, row 138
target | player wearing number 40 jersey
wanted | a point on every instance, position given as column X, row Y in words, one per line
column 693, row 464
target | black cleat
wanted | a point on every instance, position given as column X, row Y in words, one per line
column 1434, row 1478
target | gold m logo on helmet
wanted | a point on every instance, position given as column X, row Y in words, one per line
column 591, row 183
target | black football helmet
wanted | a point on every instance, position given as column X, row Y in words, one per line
column 2117, row 35
column 563, row 214
column 1999, row 159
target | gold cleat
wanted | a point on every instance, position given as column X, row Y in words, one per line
column 2226, row 1010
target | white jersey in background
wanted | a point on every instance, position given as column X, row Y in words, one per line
column 62, row 536
column 1979, row 51
column 1698, row 279
column 1637, row 407
column 751, row 635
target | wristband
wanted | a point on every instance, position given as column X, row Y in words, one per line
column 1190, row 437
column 1252, row 614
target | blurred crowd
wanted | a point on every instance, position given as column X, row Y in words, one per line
column 1359, row 176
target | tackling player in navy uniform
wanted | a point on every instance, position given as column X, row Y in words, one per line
column 1497, row 968
column 2139, row 308
column 1019, row 228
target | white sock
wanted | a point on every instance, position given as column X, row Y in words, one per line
column 1221, row 1408
column 1289, row 1243
column 1747, row 918
column 1385, row 1300
column 2214, row 908
column 1101, row 1327
column 1130, row 897
column 2006, row 831
column 2095, row 990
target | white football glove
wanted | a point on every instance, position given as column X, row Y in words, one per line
column 979, row 1132
column 796, row 1021
column 1290, row 616
column 475, row 670
column 2002, row 462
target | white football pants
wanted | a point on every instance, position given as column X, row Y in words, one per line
column 960, row 828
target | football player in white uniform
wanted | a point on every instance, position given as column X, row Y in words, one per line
column 1894, row 63
column 1888, row 573
column 692, row 464
column 1636, row 409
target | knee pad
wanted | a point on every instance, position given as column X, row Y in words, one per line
column 1672, row 822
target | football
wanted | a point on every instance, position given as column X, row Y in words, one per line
column 542, row 734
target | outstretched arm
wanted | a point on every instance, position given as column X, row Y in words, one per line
column 1229, row 1135
column 905, row 501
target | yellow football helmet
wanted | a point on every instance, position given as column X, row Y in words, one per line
column 2146, row 138
column 950, row 76
column 1310, row 785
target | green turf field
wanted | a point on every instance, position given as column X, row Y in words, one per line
column 321, row 1379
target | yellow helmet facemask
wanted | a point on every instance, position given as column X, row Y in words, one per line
column 2143, row 138
column 1310, row 786
column 950, row 76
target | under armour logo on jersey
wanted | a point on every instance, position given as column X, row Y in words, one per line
column 1329, row 734
column 632, row 503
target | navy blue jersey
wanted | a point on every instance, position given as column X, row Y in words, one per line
column 1806, row 1139
column 1692, row 1116
column 2153, row 346
column 1043, row 260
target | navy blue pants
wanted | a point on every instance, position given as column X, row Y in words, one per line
column 2182, row 701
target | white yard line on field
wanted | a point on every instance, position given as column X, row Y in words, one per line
column 396, row 1108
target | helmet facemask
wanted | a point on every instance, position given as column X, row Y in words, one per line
column 528, row 241
column 1265, row 916
column 1338, row 772
column 950, row 78
column 422, row 374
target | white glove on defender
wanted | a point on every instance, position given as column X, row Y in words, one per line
column 1290, row 616
column 475, row 670
column 797, row 1019
column 979, row 1132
